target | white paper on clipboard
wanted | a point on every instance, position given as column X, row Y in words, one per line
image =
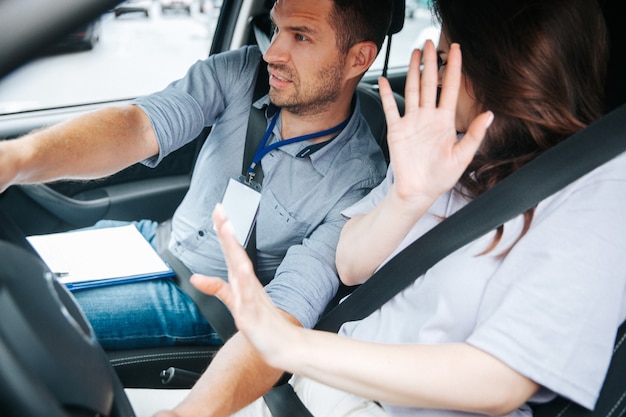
column 95, row 257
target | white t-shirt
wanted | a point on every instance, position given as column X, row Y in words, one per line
column 549, row 309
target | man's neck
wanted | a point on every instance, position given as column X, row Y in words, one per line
column 293, row 125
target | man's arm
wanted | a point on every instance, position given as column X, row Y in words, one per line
column 90, row 146
column 236, row 377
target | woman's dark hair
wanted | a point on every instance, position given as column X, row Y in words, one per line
column 360, row 20
column 539, row 65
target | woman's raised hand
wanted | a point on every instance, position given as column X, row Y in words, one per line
column 426, row 155
column 255, row 315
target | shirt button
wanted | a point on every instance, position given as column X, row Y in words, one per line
column 200, row 233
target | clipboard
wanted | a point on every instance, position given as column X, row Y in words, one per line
column 89, row 258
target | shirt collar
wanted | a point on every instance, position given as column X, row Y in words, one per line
column 320, row 154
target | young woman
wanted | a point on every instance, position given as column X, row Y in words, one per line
column 517, row 316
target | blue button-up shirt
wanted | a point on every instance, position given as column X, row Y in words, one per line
column 299, row 218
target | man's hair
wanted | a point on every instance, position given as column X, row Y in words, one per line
column 360, row 20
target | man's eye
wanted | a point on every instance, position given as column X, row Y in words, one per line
column 301, row 37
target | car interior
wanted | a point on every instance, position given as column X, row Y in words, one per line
column 52, row 363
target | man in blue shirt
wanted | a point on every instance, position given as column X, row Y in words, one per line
column 319, row 52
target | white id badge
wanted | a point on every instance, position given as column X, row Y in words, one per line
column 241, row 203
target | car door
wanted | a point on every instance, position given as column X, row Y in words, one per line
column 60, row 84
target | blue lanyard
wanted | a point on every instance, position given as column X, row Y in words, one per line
column 263, row 150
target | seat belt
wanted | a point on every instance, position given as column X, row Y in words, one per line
column 257, row 123
column 548, row 173
column 281, row 400
column 213, row 310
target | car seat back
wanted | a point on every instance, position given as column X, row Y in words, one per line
column 612, row 400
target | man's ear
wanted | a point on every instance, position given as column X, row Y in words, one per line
column 360, row 57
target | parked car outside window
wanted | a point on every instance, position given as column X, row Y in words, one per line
column 86, row 37
column 184, row 5
column 133, row 6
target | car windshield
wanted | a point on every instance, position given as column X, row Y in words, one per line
column 140, row 47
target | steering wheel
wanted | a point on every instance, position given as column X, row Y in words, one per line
column 52, row 364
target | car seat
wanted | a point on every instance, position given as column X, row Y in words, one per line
column 612, row 400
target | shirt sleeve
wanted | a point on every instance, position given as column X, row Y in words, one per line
column 307, row 279
column 371, row 200
column 180, row 111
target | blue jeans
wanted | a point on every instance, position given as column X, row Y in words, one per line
column 145, row 313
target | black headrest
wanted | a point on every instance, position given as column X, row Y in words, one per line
column 372, row 110
column 397, row 17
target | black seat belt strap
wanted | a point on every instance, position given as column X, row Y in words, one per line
column 281, row 400
column 257, row 123
column 213, row 310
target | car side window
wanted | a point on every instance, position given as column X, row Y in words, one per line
column 140, row 46
column 419, row 25
column 136, row 48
